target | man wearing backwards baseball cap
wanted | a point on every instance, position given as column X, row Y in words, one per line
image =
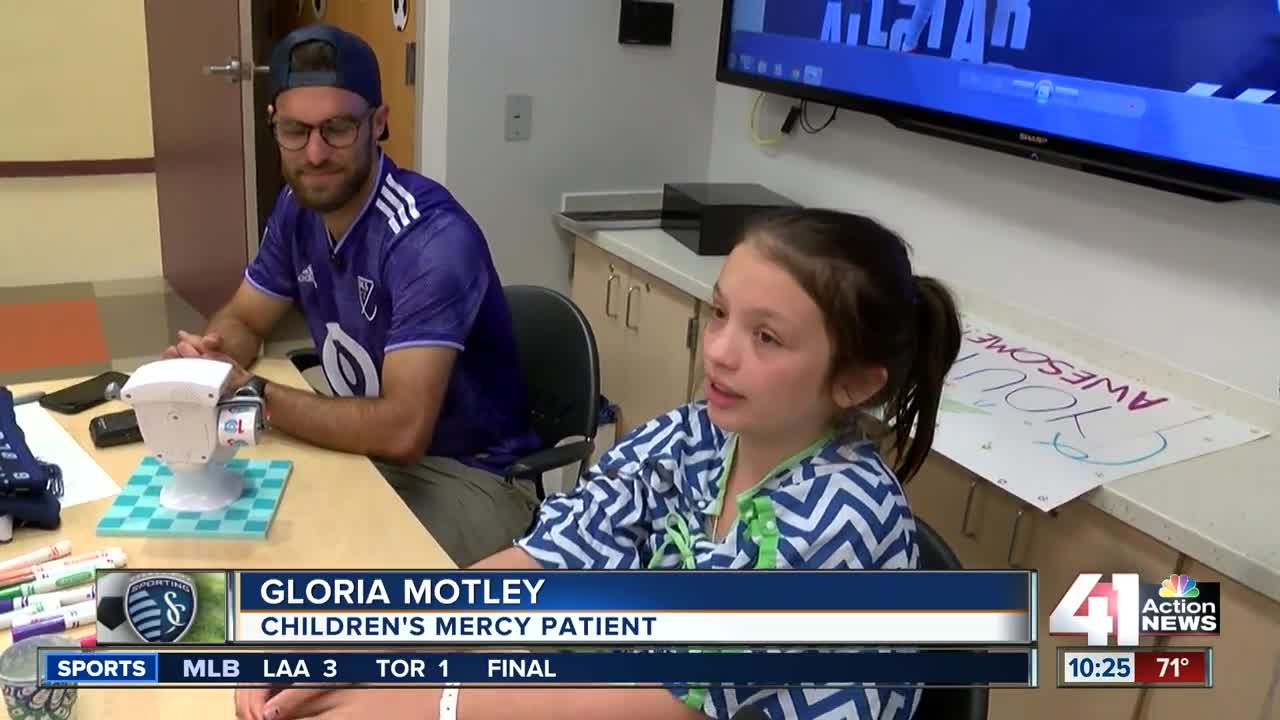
column 400, row 294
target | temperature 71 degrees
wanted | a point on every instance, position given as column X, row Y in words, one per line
column 1175, row 664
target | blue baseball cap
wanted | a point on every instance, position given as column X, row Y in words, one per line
column 356, row 65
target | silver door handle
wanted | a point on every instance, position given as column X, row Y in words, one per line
column 231, row 71
column 234, row 70
column 608, row 294
column 627, row 321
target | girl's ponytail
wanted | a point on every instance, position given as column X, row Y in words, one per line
column 916, row 405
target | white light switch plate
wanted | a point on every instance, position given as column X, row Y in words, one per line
column 519, row 117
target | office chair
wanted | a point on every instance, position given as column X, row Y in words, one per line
column 948, row 703
column 560, row 367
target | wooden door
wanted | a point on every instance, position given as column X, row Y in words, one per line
column 658, row 321
column 391, row 36
column 198, row 123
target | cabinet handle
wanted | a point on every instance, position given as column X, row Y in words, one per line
column 968, row 505
column 627, row 321
column 608, row 294
column 1013, row 536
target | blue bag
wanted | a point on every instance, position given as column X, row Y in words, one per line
column 29, row 488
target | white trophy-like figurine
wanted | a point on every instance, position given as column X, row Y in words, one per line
column 188, row 425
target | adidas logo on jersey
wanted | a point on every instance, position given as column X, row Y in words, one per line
column 307, row 276
column 396, row 203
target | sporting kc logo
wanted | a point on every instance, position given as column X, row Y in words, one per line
column 160, row 608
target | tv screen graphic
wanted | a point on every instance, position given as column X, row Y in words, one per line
column 1174, row 90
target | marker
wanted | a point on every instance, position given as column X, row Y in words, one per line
column 39, row 606
column 22, row 603
column 17, row 576
column 62, row 597
column 28, row 398
column 54, row 573
column 64, row 561
column 49, row 614
column 62, row 548
column 89, row 641
column 74, row 617
column 38, row 611
column 60, row 582
column 45, row 613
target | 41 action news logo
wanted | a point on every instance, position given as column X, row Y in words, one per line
column 1129, row 610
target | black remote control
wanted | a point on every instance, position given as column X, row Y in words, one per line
column 118, row 428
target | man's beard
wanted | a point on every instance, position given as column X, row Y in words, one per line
column 348, row 185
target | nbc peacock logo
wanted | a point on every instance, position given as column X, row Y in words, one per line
column 1179, row 586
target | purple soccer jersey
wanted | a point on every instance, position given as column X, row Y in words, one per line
column 413, row 270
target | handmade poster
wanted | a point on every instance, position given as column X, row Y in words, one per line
column 1048, row 426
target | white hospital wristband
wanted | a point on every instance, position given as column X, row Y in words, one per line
column 449, row 704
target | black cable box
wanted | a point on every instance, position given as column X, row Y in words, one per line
column 708, row 217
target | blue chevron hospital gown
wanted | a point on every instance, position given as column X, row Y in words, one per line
column 834, row 505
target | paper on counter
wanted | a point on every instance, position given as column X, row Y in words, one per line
column 1048, row 426
column 83, row 480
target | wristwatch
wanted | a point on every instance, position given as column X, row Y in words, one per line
column 254, row 392
column 257, row 386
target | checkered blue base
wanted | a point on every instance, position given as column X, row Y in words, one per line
column 137, row 510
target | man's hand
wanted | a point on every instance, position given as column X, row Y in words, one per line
column 238, row 377
column 193, row 346
column 251, row 702
column 207, row 347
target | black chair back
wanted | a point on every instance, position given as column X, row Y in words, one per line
column 935, row 553
column 559, row 363
column 945, row 703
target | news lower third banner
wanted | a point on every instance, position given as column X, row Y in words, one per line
column 636, row 607
column 174, row 667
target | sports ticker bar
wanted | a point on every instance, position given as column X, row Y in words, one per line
column 660, row 668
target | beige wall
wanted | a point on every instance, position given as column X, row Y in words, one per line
column 75, row 80
column 77, row 229
column 75, row 87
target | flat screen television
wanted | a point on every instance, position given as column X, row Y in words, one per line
column 1174, row 94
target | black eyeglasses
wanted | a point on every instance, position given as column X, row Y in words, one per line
column 337, row 132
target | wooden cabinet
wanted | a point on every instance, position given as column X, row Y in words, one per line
column 596, row 278
column 697, row 391
column 938, row 495
column 1079, row 538
column 1246, row 660
column 646, row 331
